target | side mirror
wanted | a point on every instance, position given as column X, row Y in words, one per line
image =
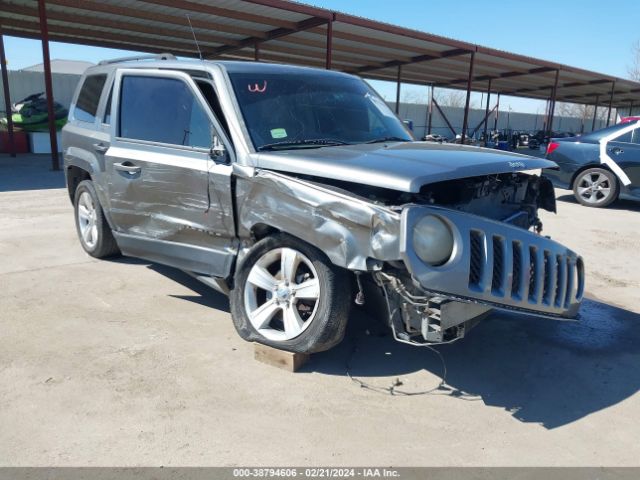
column 217, row 152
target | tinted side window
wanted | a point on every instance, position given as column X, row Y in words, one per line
column 624, row 138
column 636, row 136
column 162, row 110
column 88, row 98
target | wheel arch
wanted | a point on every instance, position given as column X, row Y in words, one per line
column 587, row 166
column 74, row 175
column 352, row 233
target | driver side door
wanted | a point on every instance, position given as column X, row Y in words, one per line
column 170, row 202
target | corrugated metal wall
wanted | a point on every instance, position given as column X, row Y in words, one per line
column 23, row 84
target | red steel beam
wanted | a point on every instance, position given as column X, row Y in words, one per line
column 466, row 105
column 210, row 9
column 412, row 60
column 270, row 35
column 595, row 113
column 430, row 112
column 552, row 105
column 486, row 113
column 7, row 96
column 294, row 7
column 398, row 82
column 446, row 120
column 329, row 44
column 101, row 21
column 48, row 85
column 613, row 89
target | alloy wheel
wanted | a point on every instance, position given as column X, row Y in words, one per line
column 282, row 293
column 594, row 188
column 87, row 220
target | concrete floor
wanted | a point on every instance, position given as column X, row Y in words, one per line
column 126, row 363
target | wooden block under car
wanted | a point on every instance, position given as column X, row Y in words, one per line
column 289, row 361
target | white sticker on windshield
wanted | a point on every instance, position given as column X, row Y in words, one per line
column 278, row 133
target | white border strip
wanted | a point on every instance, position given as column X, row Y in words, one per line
column 610, row 162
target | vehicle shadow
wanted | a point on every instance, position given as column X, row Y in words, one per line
column 630, row 205
column 203, row 295
column 542, row 371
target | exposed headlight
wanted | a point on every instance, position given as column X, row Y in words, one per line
column 433, row 240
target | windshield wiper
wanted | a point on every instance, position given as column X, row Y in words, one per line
column 311, row 143
column 388, row 139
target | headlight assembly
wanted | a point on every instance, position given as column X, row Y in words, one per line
column 433, row 240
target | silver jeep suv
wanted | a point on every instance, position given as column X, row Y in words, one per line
column 297, row 191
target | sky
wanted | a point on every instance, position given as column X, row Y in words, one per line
column 585, row 34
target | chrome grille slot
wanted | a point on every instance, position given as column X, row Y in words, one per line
column 580, row 278
column 571, row 283
column 561, row 284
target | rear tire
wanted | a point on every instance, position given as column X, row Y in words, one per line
column 302, row 308
column 596, row 187
column 93, row 230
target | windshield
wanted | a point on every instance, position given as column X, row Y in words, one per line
column 310, row 110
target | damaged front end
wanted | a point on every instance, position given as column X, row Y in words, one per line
column 495, row 257
column 441, row 258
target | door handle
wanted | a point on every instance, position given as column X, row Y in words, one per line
column 100, row 147
column 127, row 167
column 617, row 151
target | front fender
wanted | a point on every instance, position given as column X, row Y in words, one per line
column 352, row 232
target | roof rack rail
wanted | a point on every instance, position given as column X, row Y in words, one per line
column 160, row 56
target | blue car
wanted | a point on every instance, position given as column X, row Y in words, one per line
column 600, row 166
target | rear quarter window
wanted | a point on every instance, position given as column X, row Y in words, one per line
column 87, row 104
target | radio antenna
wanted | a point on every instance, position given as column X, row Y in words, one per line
column 194, row 36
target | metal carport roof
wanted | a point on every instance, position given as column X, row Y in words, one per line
column 289, row 32
column 282, row 31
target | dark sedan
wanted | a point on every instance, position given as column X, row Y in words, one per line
column 600, row 166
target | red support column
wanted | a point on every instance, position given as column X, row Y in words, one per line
column 7, row 97
column 613, row 88
column 595, row 114
column 329, row 44
column 495, row 122
column 44, row 30
column 466, row 105
column 552, row 104
column 486, row 112
column 398, row 89
column 430, row 110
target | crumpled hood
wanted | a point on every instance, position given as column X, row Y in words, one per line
column 401, row 166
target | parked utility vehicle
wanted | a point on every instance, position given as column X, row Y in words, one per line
column 293, row 188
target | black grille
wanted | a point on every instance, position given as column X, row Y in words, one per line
column 548, row 277
column 498, row 266
column 517, row 274
column 477, row 259
column 533, row 270
column 533, row 273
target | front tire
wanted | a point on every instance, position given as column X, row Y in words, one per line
column 288, row 295
column 596, row 187
column 93, row 230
